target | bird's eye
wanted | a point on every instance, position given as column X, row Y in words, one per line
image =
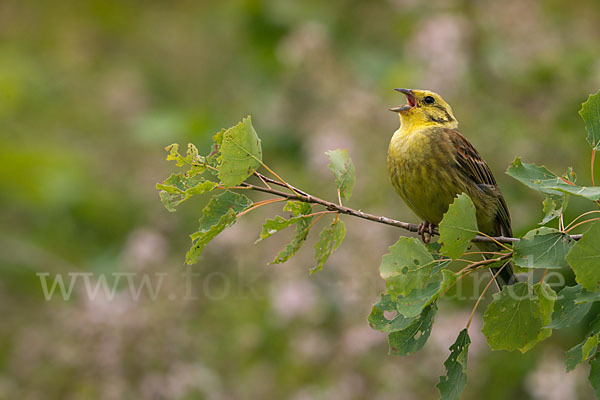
column 429, row 100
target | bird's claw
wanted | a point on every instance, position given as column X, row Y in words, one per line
column 426, row 231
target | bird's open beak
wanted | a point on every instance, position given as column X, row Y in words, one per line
column 412, row 101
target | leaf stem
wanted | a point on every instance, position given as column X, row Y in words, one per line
column 561, row 222
column 483, row 252
column 495, row 241
column 267, row 179
column 486, row 262
column 582, row 215
column 313, row 222
column 265, row 166
column 581, row 223
column 482, row 293
column 261, row 178
column 260, row 204
column 468, row 272
column 318, row 213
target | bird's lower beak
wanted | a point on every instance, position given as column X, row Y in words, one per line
column 412, row 101
column 401, row 108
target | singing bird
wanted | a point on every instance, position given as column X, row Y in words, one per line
column 430, row 163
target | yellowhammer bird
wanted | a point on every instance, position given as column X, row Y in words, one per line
column 430, row 163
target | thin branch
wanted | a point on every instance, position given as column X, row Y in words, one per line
column 267, row 179
column 308, row 198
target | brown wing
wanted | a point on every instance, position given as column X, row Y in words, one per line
column 473, row 166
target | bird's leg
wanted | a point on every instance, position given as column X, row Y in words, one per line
column 426, row 231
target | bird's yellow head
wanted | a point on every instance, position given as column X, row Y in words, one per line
column 424, row 108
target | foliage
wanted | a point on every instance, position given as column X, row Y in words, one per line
column 93, row 90
column 458, row 227
column 584, row 258
column 239, row 153
column 416, row 276
column 567, row 311
column 590, row 112
column 543, row 248
column 302, row 218
column 516, row 318
column 330, row 239
column 455, row 379
column 220, row 213
column 343, row 169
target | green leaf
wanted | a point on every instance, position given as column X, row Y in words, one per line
column 566, row 311
column 582, row 352
column 177, row 188
column 418, row 299
column 179, row 183
column 343, row 169
column 213, row 157
column 516, row 316
column 441, row 262
column 272, row 226
column 590, row 112
column 201, row 239
column 587, row 297
column 240, row 153
column 378, row 321
column 219, row 205
column 546, row 297
column 453, row 383
column 540, row 179
column 584, row 258
column 414, row 337
column 330, row 239
column 407, row 266
column 191, row 156
column 298, row 209
column 412, row 305
column 553, row 206
column 594, row 376
column 220, row 213
column 586, row 348
column 458, row 227
column 594, row 326
column 543, row 248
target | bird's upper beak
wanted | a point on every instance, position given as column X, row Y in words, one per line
column 412, row 101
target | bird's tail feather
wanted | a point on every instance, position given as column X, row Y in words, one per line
column 506, row 275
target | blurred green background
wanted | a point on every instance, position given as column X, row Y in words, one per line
column 91, row 92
